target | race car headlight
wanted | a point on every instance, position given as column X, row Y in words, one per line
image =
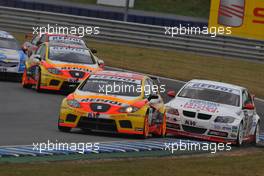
column 54, row 71
column 128, row 109
column 224, row 119
column 73, row 103
column 172, row 111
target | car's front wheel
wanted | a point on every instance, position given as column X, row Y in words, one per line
column 239, row 141
column 38, row 79
column 25, row 79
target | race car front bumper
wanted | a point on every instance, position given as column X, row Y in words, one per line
column 115, row 123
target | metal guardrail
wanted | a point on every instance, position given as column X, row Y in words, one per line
column 21, row 20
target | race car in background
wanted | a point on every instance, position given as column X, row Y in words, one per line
column 125, row 110
column 12, row 58
column 58, row 66
column 37, row 40
column 213, row 111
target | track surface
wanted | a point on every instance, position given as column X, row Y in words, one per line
column 29, row 117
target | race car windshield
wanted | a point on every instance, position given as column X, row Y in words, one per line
column 71, row 55
column 9, row 44
column 210, row 95
column 112, row 87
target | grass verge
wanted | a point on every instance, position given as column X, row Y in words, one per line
column 181, row 66
column 240, row 165
column 195, row 8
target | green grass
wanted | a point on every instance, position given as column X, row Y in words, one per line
column 181, row 66
column 238, row 165
column 195, row 8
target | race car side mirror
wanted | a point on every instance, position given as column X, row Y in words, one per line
column 249, row 106
column 94, row 51
column 36, row 57
column 171, row 93
column 152, row 96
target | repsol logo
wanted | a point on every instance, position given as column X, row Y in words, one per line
column 76, row 69
column 99, row 100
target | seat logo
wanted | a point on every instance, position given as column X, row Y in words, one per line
column 231, row 13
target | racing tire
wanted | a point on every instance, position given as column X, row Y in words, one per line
column 239, row 140
column 256, row 140
column 162, row 132
column 146, row 128
column 38, row 80
column 24, row 79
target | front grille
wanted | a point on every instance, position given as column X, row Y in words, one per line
column 77, row 74
column 189, row 114
column 99, row 107
column 66, row 86
column 97, row 124
column 71, row 118
column 8, row 64
column 194, row 129
column 54, row 82
column 125, row 124
column 204, row 116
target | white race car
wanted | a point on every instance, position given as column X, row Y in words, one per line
column 213, row 111
column 12, row 58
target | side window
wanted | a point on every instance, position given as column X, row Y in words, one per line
column 43, row 52
column 39, row 50
column 35, row 40
column 43, row 38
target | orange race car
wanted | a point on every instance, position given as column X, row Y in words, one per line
column 115, row 102
column 57, row 66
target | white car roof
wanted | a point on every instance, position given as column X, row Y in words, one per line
column 231, row 86
column 4, row 34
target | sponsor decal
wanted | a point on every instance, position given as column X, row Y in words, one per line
column 214, row 87
column 63, row 49
column 66, row 39
column 202, row 105
column 75, row 68
column 190, row 123
column 99, row 100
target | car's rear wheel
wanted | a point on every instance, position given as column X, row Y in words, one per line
column 25, row 79
column 38, row 79
column 256, row 134
column 239, row 141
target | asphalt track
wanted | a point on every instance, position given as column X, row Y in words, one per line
column 29, row 117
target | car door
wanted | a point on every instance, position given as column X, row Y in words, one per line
column 248, row 113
